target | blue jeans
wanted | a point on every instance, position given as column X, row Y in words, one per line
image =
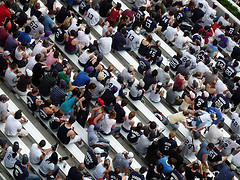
column 116, row 129
column 106, row 147
column 126, row 48
column 55, row 171
column 32, row 177
column 173, row 126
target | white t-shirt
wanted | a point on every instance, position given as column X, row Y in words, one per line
column 189, row 57
column 92, row 17
column 127, row 77
column 133, row 40
column 134, row 91
column 236, row 159
column 105, row 45
column 190, row 146
column 224, row 21
column 107, row 124
column 191, row 79
column 220, row 87
column 45, row 166
column 9, row 161
column 170, row 33
column 73, row 25
column 112, row 82
column 99, row 171
column 35, row 154
column 12, row 125
column 217, row 33
column 180, row 41
column 31, row 63
column 201, row 67
column 83, row 39
column 214, row 134
column 231, row 45
column 235, row 125
column 37, row 49
column 36, row 26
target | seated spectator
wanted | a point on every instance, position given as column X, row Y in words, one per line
column 82, row 78
column 76, row 173
column 48, row 23
column 12, row 155
column 145, row 45
column 86, row 55
column 150, row 23
column 57, row 120
column 37, row 153
column 36, row 26
column 49, row 165
column 105, row 44
column 144, row 142
column 35, row 10
column 22, row 17
column 166, row 144
column 33, row 61
column 4, row 35
column 133, row 38
column 24, row 37
column 224, row 40
column 156, row 93
column 11, row 42
column 60, row 34
column 63, row 17
column 66, row 134
column 84, row 38
column 144, row 64
column 123, row 160
column 93, row 157
column 128, row 75
column 4, row 60
column 92, row 16
column 171, row 31
column 100, row 88
column 128, row 122
column 48, row 82
column 201, row 102
column 43, row 49
column 181, row 40
column 32, row 100
column 24, row 83
column 180, row 82
column 137, row 90
column 58, row 95
column 225, row 173
column 173, row 120
column 13, row 126
column 119, row 41
column 46, row 110
column 102, row 169
column 150, row 79
column 120, row 112
column 155, row 172
column 21, row 169
column 5, row 11
column 190, row 146
column 135, row 133
column 167, row 165
column 197, row 13
column 3, row 107
column 71, row 45
column 115, row 13
column 155, row 53
column 97, row 113
column 71, row 99
column 184, row 69
column 176, row 154
column 235, row 124
column 212, row 46
column 53, row 58
column 20, row 57
column 228, row 145
column 108, row 96
column 163, row 76
column 172, row 96
column 192, row 170
column 138, row 174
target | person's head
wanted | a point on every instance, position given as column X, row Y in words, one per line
column 42, row 143
column 186, row 33
column 179, row 54
column 3, row 98
column 38, row 57
column 53, row 158
column 235, row 63
column 100, row 76
column 117, row 170
column 210, row 146
column 16, row 34
column 7, row 4
column 112, row 114
column 153, row 14
column 118, row 6
column 25, row 7
column 25, row 159
column 75, row 92
column 141, row 84
column 154, row 73
column 131, row 115
column 48, row 103
column 197, row 74
column 186, row 112
column 97, row 7
column 196, row 135
column 37, row 5
column 59, row 113
column 142, row 170
column 71, row 119
column 160, row 168
column 139, row 127
column 114, row 89
column 35, row 91
column 172, row 134
column 56, row 54
column 149, row 38
column 179, row 149
column 124, row 102
column 215, row 42
column 153, row 125
column 18, row 114
column 89, row 69
column 73, row 33
column 234, row 137
column 87, row 30
column 69, row 7
column 175, row 87
column 220, row 125
column 62, row 83
column 81, row 167
column 50, row 13
column 110, row 68
column 92, row 87
column 106, row 163
column 195, row 166
column 130, row 68
column 172, row 161
column 27, row 29
column 55, row 73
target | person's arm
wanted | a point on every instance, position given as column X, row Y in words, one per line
column 80, row 104
column 44, row 12
column 186, row 126
column 98, row 117
column 126, row 171
column 204, row 160
column 201, row 128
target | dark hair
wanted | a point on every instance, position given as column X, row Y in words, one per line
column 69, row 7
column 235, row 63
column 27, row 29
column 154, row 73
column 42, row 143
column 47, row 103
column 221, row 124
column 153, row 125
column 166, row 69
column 13, row 66
column 215, row 42
column 195, row 166
column 92, row 86
column 53, row 158
column 186, row 33
column 87, row 30
column 139, row 127
column 175, row 87
column 56, row 54
column 38, row 57
column 124, row 102
column 160, row 168
column 18, row 114
column 35, row 90
column 172, row 161
column 175, row 24
column 7, row 4
column 59, row 113
column 210, row 145
column 25, row 7
column 73, row 33
column 75, row 92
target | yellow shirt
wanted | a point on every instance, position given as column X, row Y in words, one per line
column 177, row 117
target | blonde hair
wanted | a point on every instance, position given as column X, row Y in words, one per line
column 112, row 114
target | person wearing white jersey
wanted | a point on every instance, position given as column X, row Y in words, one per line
column 113, row 82
column 36, row 26
column 84, row 37
column 215, row 133
column 187, row 56
column 41, row 48
column 172, row 31
column 133, row 38
column 128, row 75
column 235, row 125
column 12, row 155
column 92, row 17
column 105, row 44
column 181, row 40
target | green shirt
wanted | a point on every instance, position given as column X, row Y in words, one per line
column 63, row 76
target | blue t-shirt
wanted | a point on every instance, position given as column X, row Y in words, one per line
column 19, row 172
column 118, row 41
column 150, row 24
column 144, row 65
column 203, row 150
column 74, row 174
column 211, row 46
column 23, row 37
column 167, row 169
column 225, row 174
column 214, row 110
column 135, row 176
column 48, row 23
column 81, row 79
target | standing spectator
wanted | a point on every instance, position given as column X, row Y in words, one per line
column 66, row 134
column 92, row 16
column 202, row 155
column 5, row 12
column 13, row 126
column 3, row 107
column 84, row 103
column 119, row 41
column 123, row 160
column 21, row 169
column 165, row 144
column 12, row 155
column 120, row 112
column 49, row 165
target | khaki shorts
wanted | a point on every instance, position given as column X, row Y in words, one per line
column 205, row 170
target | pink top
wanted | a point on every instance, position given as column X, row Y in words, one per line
column 50, row 61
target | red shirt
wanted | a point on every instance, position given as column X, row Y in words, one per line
column 3, row 36
column 208, row 34
column 215, row 26
column 4, row 12
column 128, row 13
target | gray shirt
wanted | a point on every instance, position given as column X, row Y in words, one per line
column 92, row 136
column 3, row 109
column 134, row 91
column 171, row 96
column 229, row 145
column 209, row 77
column 99, row 89
column 121, row 162
column 10, row 77
column 162, row 76
column 127, row 77
column 143, row 144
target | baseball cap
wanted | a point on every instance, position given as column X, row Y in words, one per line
column 196, row 135
column 3, row 97
column 63, row 83
column 119, row 5
column 100, row 102
column 90, row 69
column 6, row 53
column 130, row 68
column 200, row 5
column 98, row 150
column 215, row 70
column 72, row 119
column 120, row 78
column 130, row 155
column 29, row 72
column 48, row 33
column 114, row 89
column 192, row 95
column 205, row 94
column 141, row 83
column 15, row 147
column 143, row 169
column 25, row 159
column 41, row 19
column 100, row 76
column 106, row 109
column 65, row 61
column 185, row 9
column 97, row 6
column 213, row 116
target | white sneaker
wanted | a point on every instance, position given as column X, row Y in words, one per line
column 81, row 145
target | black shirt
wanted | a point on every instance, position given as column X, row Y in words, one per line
column 151, row 173
column 192, row 175
column 108, row 98
column 113, row 176
column 90, row 159
column 200, row 103
column 177, row 156
column 120, row 113
column 235, row 52
column 154, row 53
column 61, row 16
column 31, row 101
column 197, row 14
column 83, row 7
column 35, row 12
column 88, row 97
column 215, row 155
column 196, row 27
column 22, row 19
column 105, row 6
column 3, row 66
column 175, row 62
column 136, row 176
column 133, row 136
column 59, row 35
